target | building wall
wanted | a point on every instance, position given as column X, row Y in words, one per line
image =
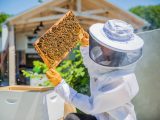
column 21, row 46
column 147, row 102
column 25, row 52
column 0, row 52
column 0, row 57
column 21, row 41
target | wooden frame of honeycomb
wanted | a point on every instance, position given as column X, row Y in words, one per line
column 57, row 42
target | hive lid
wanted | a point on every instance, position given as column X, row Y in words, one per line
column 26, row 88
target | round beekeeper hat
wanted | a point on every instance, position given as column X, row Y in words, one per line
column 116, row 35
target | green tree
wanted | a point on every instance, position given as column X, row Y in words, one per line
column 149, row 13
column 3, row 17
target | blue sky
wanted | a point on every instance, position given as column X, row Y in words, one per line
column 17, row 6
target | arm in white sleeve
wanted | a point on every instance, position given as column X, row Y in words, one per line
column 102, row 102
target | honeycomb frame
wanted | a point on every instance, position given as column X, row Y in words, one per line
column 54, row 45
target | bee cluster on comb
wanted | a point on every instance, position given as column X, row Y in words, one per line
column 57, row 42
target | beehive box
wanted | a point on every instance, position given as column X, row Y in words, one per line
column 54, row 45
column 32, row 103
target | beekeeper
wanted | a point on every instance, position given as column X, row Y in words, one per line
column 110, row 58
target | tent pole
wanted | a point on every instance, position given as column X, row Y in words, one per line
column 12, row 64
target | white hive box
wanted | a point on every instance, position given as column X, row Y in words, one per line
column 31, row 103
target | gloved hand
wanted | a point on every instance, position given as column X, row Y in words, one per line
column 54, row 77
column 85, row 39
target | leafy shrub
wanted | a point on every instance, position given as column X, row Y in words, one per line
column 39, row 68
column 74, row 72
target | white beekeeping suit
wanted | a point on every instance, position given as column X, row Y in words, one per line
column 110, row 59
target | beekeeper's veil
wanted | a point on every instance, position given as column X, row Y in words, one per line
column 114, row 44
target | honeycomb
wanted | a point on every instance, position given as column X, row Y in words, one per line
column 58, row 41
